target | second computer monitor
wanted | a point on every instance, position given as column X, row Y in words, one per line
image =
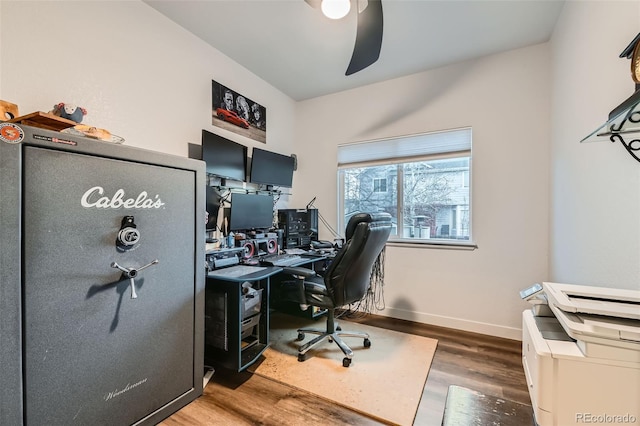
column 270, row 168
column 251, row 211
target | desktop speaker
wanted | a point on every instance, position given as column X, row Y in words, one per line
column 248, row 247
column 272, row 245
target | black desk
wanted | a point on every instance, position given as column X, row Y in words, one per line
column 315, row 263
column 235, row 333
column 236, row 326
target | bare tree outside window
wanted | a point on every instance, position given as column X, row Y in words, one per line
column 422, row 180
column 434, row 200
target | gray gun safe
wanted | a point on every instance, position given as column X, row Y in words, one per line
column 101, row 280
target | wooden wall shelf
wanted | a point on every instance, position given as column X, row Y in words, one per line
column 44, row 120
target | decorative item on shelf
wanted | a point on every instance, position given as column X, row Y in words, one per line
column 623, row 124
column 69, row 111
column 94, row 133
column 64, row 118
column 635, row 59
column 8, row 110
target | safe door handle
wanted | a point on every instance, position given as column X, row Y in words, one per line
column 132, row 273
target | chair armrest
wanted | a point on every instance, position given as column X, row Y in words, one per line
column 299, row 271
column 298, row 288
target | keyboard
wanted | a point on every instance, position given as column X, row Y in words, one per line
column 286, row 259
column 236, row 271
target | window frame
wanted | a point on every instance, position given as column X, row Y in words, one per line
column 399, row 161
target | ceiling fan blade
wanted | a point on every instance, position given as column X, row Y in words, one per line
column 314, row 3
column 368, row 37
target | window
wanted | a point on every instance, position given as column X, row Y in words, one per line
column 380, row 185
column 423, row 181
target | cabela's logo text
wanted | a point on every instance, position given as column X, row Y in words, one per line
column 94, row 198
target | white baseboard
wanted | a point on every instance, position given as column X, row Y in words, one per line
column 456, row 323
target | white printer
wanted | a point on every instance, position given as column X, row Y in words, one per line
column 581, row 354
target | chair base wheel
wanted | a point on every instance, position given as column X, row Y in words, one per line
column 332, row 334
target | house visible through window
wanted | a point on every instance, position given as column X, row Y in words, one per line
column 380, row 185
column 423, row 181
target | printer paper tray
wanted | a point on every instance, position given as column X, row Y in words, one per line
column 602, row 337
column 611, row 302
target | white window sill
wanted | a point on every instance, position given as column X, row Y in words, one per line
column 432, row 244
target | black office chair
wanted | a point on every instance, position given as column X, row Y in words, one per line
column 345, row 281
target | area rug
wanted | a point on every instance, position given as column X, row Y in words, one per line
column 384, row 381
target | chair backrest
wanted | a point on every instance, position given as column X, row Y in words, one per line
column 348, row 276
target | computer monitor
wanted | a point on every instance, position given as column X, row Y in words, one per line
column 250, row 211
column 270, row 168
column 224, row 157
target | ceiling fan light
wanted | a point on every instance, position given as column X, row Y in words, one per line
column 335, row 9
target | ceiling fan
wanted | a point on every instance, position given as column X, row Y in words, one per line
column 369, row 31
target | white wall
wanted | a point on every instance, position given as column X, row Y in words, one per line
column 505, row 99
column 595, row 203
column 138, row 74
column 147, row 79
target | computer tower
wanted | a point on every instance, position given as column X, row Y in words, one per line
column 300, row 227
column 101, row 280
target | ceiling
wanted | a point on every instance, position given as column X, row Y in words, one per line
column 295, row 48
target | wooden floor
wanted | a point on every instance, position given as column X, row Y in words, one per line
column 485, row 364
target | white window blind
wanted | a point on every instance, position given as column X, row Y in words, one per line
column 441, row 142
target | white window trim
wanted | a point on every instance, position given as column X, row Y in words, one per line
column 384, row 156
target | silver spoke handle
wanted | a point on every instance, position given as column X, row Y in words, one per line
column 132, row 273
